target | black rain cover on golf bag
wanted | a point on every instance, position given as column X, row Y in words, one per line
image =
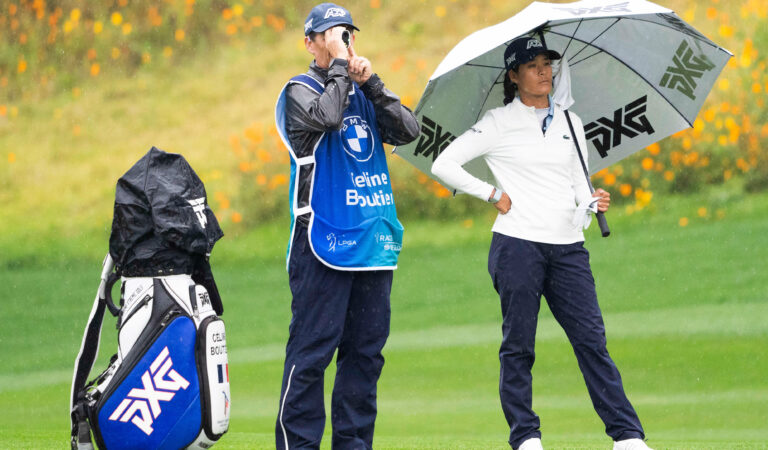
column 168, row 384
column 162, row 224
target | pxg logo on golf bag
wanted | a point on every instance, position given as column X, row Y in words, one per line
column 432, row 140
column 686, row 67
column 142, row 406
column 619, row 7
column 627, row 121
column 198, row 206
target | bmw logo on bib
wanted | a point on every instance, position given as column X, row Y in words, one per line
column 358, row 139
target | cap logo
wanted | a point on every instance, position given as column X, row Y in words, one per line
column 511, row 59
column 308, row 25
column 335, row 12
column 533, row 43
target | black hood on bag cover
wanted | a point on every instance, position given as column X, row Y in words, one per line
column 162, row 223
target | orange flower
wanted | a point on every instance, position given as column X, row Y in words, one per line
column 244, row 166
column 669, row 175
column 683, row 222
column 263, row 155
column 654, row 148
column 278, row 180
column 275, row 22
column 11, row 158
column 95, row 68
column 237, row 217
column 261, row 179
column 375, row 4
column 440, row 11
column 443, row 192
column 398, row 63
column 610, row 179
column 91, row 54
column 254, row 134
column 625, row 189
column 3, row 110
column 116, row 18
column 179, row 35
column 711, row 13
column 702, row 212
column 22, row 67
column 231, row 29
column 647, row 164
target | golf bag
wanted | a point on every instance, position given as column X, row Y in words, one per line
column 168, row 384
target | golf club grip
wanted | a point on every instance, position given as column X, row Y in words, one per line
column 603, row 224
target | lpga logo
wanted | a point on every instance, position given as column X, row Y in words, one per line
column 341, row 242
column 358, row 139
column 143, row 405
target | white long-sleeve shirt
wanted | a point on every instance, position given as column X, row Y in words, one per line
column 539, row 171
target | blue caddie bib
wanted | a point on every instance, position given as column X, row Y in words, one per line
column 354, row 224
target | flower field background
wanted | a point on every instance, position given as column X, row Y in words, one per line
column 86, row 88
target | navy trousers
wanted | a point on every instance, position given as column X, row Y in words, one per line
column 522, row 271
column 332, row 309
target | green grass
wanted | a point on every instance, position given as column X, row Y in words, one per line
column 685, row 309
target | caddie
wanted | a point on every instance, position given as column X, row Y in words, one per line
column 345, row 235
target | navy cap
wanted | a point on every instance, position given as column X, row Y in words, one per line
column 525, row 49
column 325, row 16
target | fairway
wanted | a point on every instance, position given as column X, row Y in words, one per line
column 685, row 310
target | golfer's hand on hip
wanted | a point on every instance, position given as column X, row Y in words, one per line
column 605, row 199
column 504, row 204
column 359, row 67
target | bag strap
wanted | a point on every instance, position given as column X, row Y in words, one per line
column 600, row 216
column 89, row 351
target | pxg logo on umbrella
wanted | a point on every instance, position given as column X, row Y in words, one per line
column 687, row 66
column 629, row 121
column 432, row 140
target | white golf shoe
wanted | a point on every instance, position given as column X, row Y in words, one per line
column 630, row 444
column 531, row 444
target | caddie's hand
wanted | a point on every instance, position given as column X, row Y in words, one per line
column 333, row 42
column 504, row 204
column 359, row 67
column 605, row 199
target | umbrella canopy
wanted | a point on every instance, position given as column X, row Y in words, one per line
column 638, row 73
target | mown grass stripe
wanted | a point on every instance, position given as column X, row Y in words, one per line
column 728, row 319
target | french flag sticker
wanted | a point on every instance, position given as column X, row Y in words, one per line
column 223, row 370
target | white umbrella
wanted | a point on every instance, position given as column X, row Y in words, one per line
column 638, row 73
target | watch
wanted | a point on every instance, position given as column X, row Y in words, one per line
column 496, row 196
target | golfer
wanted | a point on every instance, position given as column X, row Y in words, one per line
column 537, row 246
column 345, row 236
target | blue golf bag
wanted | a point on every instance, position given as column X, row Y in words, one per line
column 167, row 387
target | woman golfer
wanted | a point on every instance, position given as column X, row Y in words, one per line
column 537, row 246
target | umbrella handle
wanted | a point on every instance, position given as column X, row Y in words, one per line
column 603, row 224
